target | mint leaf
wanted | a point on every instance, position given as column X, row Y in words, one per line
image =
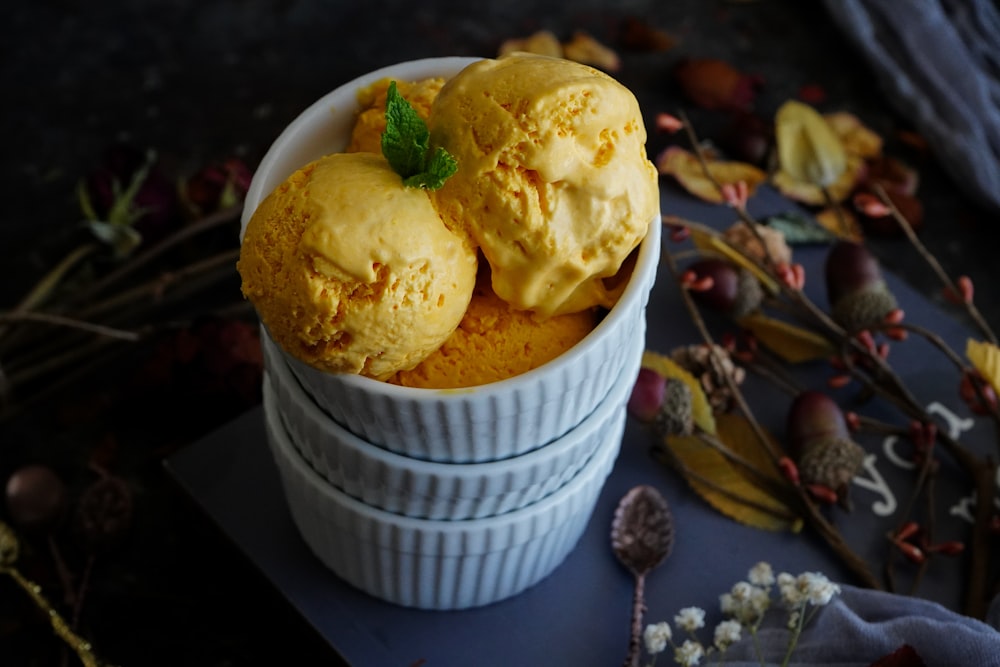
column 406, row 144
column 440, row 167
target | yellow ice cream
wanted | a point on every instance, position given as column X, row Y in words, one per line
column 367, row 133
column 353, row 273
column 553, row 182
column 495, row 342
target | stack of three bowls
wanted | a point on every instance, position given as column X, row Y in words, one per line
column 445, row 499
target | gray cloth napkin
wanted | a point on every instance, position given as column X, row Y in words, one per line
column 860, row 626
column 939, row 64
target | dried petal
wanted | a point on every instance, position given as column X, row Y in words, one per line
column 985, row 357
column 808, row 148
column 585, row 49
column 687, row 169
column 716, row 85
column 856, row 138
column 543, row 42
column 642, row 531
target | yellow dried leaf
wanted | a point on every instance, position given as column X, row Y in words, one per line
column 809, row 151
column 811, row 194
column 857, row 138
column 701, row 410
column 790, row 342
column 685, row 167
column 709, row 242
column 543, row 42
column 842, row 223
column 985, row 357
column 726, row 486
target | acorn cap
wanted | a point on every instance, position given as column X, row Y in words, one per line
column 675, row 416
column 830, row 461
column 865, row 307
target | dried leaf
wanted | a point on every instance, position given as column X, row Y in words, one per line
column 727, row 487
column 543, row 42
column 716, row 85
column 685, row 167
column 708, row 242
column 790, row 342
column 812, row 195
column 585, row 49
column 809, row 151
column 841, row 223
column 985, row 357
column 856, row 138
column 799, row 229
column 642, row 531
column 701, row 410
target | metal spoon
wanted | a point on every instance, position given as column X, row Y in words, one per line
column 642, row 535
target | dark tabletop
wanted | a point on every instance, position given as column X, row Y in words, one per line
column 200, row 82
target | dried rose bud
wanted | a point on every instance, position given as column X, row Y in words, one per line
column 36, row 497
column 748, row 138
column 152, row 210
column 216, row 187
column 734, row 290
column 858, row 296
column 820, row 441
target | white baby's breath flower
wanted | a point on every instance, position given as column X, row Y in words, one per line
column 727, row 633
column 793, row 619
column 817, row 588
column 689, row 653
column 761, row 574
column 690, row 618
column 656, row 636
column 791, row 595
column 728, row 604
column 742, row 590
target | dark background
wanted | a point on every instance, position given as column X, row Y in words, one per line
column 201, row 82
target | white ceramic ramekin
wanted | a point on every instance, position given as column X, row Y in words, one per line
column 437, row 564
column 485, row 423
column 433, row 490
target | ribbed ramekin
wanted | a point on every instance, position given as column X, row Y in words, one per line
column 434, row 490
column 437, row 564
column 485, row 423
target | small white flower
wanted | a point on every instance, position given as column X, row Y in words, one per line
column 742, row 590
column 727, row 633
column 689, row 653
column 690, row 618
column 728, row 604
column 761, row 574
column 793, row 619
column 817, row 588
column 791, row 594
column 656, row 637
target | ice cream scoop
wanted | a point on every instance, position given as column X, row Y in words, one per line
column 494, row 342
column 553, row 180
column 351, row 272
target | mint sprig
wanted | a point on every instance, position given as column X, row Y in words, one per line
column 406, row 145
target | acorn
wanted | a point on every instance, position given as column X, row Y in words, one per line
column 858, row 296
column 734, row 292
column 664, row 402
column 820, row 442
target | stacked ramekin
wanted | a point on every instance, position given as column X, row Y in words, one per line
column 445, row 499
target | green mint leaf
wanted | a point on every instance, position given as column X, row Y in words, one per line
column 406, row 144
column 406, row 139
column 440, row 167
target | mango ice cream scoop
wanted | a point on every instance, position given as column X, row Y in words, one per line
column 553, row 181
column 351, row 272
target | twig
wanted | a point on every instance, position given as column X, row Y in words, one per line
column 935, row 265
